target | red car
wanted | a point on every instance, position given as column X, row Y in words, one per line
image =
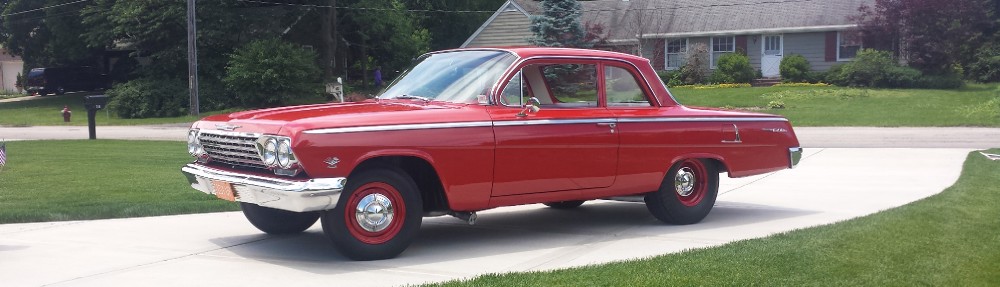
column 467, row 130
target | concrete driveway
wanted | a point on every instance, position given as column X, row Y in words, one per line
column 223, row 249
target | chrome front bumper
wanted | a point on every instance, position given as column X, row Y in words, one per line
column 298, row 196
column 794, row 156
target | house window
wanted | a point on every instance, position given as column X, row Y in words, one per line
column 848, row 45
column 722, row 45
column 676, row 48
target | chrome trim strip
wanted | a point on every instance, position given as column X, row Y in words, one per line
column 553, row 122
column 298, row 196
column 225, row 133
column 400, row 127
column 703, row 119
column 534, row 122
column 794, row 156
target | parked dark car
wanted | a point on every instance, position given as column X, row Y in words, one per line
column 65, row 79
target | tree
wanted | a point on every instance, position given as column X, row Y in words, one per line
column 46, row 37
column 270, row 72
column 450, row 22
column 931, row 35
column 559, row 25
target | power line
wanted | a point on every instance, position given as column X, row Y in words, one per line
column 493, row 11
column 44, row 8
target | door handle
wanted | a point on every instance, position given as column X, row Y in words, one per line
column 610, row 125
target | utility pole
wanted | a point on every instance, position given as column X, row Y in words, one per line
column 192, row 58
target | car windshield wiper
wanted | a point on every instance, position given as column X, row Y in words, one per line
column 412, row 97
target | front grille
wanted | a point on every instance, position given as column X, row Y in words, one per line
column 236, row 149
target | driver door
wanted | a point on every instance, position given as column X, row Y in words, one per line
column 569, row 143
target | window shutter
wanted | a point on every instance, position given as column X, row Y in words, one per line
column 831, row 46
column 659, row 54
column 741, row 44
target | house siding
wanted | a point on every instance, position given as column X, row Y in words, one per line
column 809, row 45
column 510, row 28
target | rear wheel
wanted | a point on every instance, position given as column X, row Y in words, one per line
column 277, row 221
column 565, row 204
column 378, row 215
column 687, row 193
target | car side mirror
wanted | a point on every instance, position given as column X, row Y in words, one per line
column 531, row 106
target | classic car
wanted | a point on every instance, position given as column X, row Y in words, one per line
column 467, row 130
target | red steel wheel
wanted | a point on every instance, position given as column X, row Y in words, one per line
column 375, row 213
column 691, row 182
column 687, row 192
column 377, row 216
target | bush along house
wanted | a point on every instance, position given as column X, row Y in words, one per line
column 669, row 31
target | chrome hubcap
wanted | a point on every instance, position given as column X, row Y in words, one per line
column 374, row 212
column 684, row 181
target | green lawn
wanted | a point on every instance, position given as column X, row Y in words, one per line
column 46, row 112
column 76, row 180
column 974, row 105
column 950, row 239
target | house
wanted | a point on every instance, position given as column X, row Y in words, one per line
column 10, row 67
column 666, row 30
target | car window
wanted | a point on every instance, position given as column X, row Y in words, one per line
column 571, row 85
column 515, row 93
column 622, row 88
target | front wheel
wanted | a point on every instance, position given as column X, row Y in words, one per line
column 276, row 221
column 377, row 217
column 687, row 192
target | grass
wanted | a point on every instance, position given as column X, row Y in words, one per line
column 974, row 105
column 949, row 239
column 77, row 180
column 46, row 112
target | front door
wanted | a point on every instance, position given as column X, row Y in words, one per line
column 773, row 48
column 570, row 143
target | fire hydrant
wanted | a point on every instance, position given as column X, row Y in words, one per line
column 66, row 113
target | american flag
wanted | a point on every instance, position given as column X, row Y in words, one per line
column 3, row 153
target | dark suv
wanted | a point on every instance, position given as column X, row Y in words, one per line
column 64, row 79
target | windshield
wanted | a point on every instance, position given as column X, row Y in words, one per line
column 457, row 77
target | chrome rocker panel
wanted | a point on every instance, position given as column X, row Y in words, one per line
column 298, row 196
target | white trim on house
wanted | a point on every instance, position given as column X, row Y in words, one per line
column 712, row 51
column 782, row 30
column 667, row 54
column 837, row 47
column 507, row 6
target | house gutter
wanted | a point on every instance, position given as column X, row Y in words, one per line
column 782, row 30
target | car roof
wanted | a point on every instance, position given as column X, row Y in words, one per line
column 529, row 52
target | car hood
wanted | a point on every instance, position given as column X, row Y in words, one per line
column 294, row 119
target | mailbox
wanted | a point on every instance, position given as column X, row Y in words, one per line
column 95, row 102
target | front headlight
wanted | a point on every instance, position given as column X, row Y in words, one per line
column 270, row 152
column 193, row 145
column 284, row 153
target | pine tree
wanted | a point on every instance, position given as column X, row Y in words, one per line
column 559, row 25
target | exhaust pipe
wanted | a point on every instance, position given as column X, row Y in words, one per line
column 469, row 217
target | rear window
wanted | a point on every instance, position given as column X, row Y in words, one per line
column 34, row 73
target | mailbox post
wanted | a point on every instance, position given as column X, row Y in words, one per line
column 93, row 104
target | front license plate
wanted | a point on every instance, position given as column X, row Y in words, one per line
column 224, row 190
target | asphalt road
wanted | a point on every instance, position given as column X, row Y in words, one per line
column 882, row 169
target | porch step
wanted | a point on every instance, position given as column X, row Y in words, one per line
column 765, row 82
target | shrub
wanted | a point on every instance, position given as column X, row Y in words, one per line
column 873, row 68
column 986, row 68
column 733, row 68
column 671, row 78
column 695, row 69
column 795, row 68
column 269, row 72
column 149, row 98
